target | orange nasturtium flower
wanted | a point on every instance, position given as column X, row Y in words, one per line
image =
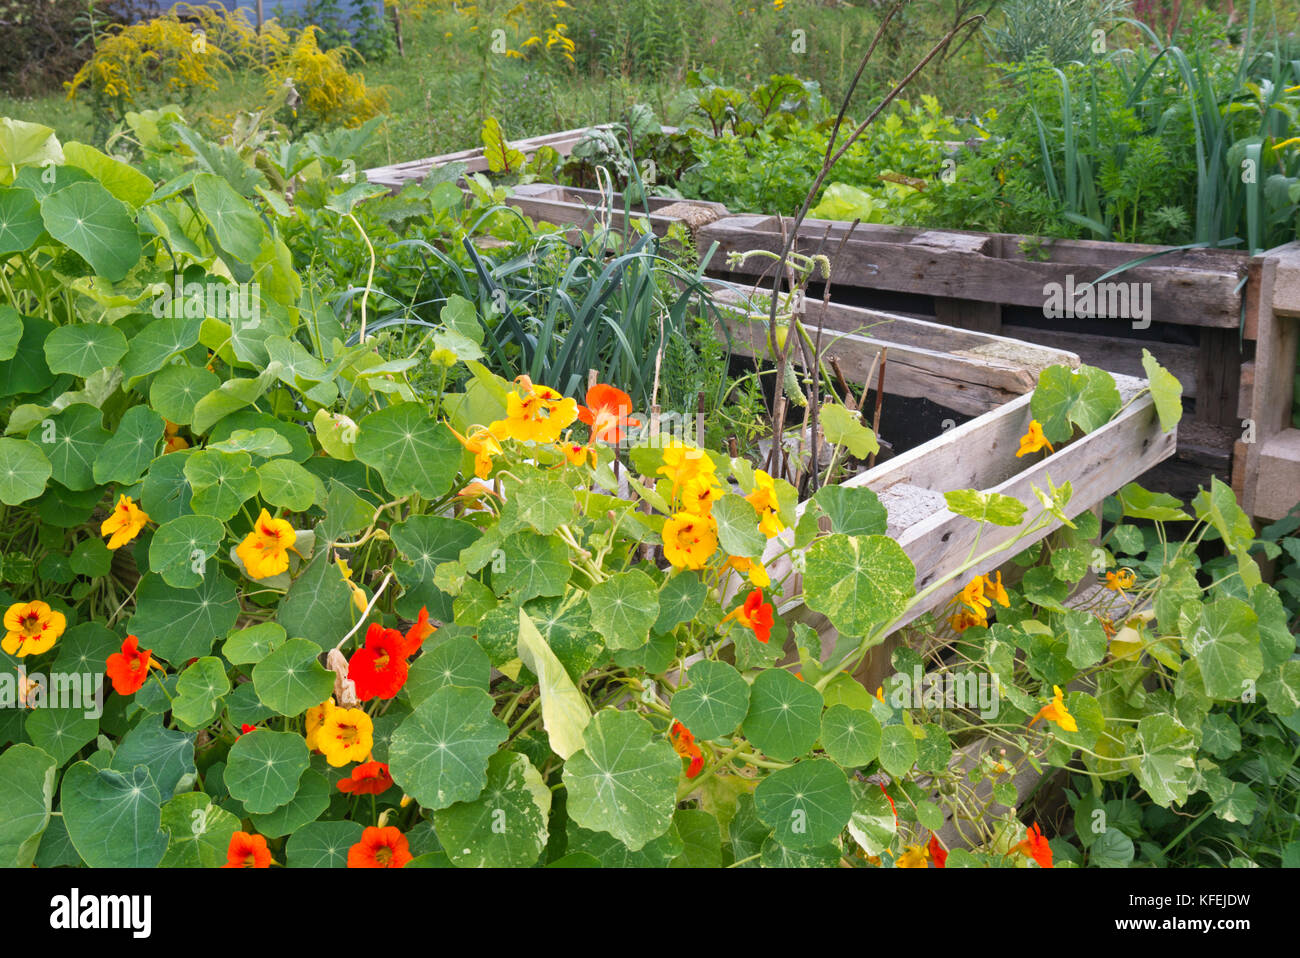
column 754, row 614
column 483, row 445
column 345, row 735
column 995, row 590
column 1121, row 580
column 752, row 568
column 247, row 851
column 124, row 524
column 417, row 633
column 684, row 745
column 1055, row 711
column 315, row 719
column 175, row 442
column 1036, row 847
column 963, row 620
column 690, row 540
column 938, row 854
column 265, row 550
column 539, row 414
column 607, row 413
column 369, row 778
column 380, row 848
column 129, row 669
column 379, row 669
column 1033, row 440
column 914, row 856
column 31, row 628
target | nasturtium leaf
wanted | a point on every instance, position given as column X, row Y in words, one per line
column 286, row 484
column 251, row 645
column 152, row 346
column 24, row 471
column 1168, row 759
column 807, row 804
column 122, row 180
column 534, row 565
column 89, row 220
column 624, row 780
column 680, row 599
column 20, row 220
column 264, row 768
column 83, row 348
column 426, row 542
column 853, row 510
column 113, row 818
column 506, row 826
column 235, row 222
column 165, row 493
column 1219, row 507
column 1224, row 642
column 199, row 690
column 858, row 582
column 1276, row 643
column 176, row 389
column 873, row 823
column 76, row 440
column 56, row 847
column 322, row 844
column 308, row 804
column 784, row 717
column 11, row 329
column 1220, row 736
column 985, row 506
column 181, row 624
column 1280, row 686
column 439, row 754
column 128, row 452
column 62, row 732
column 262, row 442
column 846, row 690
column 458, row 660
column 345, row 512
column 544, row 504
column 200, row 831
column 27, row 776
column 776, row 855
column 851, row 737
column 26, row 371
column 897, row 750
column 608, row 852
column 564, row 709
column 715, row 701
column 565, row 622
column 253, row 420
column 701, row 839
column 222, row 482
column 1087, row 638
column 1166, row 390
column 412, row 452
column 85, row 648
column 168, row 754
column 290, row 680
column 1085, row 397
column 183, row 545
column 738, row 532
column 319, row 603
column 623, row 608
column 231, row 397
column 934, row 751
column 843, row 426
column 747, row 832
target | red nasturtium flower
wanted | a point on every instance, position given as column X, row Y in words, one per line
column 380, row 848
column 368, row 778
column 754, row 614
column 684, row 745
column 379, row 669
column 129, row 669
column 607, row 413
column 417, row 633
column 247, row 851
column 1036, row 847
column 938, row 854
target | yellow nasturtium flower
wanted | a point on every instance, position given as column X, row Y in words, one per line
column 690, row 540
column 1034, row 440
column 914, row 856
column 315, row 718
column 346, row 735
column 683, row 463
column 752, row 568
column 483, row 445
column 1055, row 711
column 538, row 414
column 265, row 550
column 31, row 628
column 124, row 524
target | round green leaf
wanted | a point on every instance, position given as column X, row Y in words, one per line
column 95, row 224
column 565, row 621
column 25, row 371
column 200, row 831
column 290, row 680
column 249, row 646
column 850, row 736
column 222, row 482
column 152, row 346
column 427, row 542
column 534, row 565
column 624, row 780
column 439, row 754
column 853, row 510
column 715, row 701
column 1224, row 642
column 286, row 484
column 807, row 804
column 544, row 504
column 264, row 769
column 181, row 624
column 307, row 805
column 61, row 732
column 165, row 493
column 319, row 603
column 84, row 348
column 934, row 752
column 26, row 791
column 24, row 471
column 784, row 715
column 131, row 448
column 623, row 608
column 858, row 582
column 458, row 660
column 506, row 826
column 236, row 224
column 897, row 750
column 1085, row 397
column 114, row 818
column 322, row 844
column 738, row 532
column 412, row 452
column 198, row 691
column 73, row 442
column 20, row 220
column 168, row 754
column 11, row 331
column 680, row 599
column 176, row 389
column 184, row 545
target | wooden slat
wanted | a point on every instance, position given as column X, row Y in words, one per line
column 1218, row 376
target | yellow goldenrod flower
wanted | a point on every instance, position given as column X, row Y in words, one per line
column 265, row 550
column 125, row 523
column 31, row 628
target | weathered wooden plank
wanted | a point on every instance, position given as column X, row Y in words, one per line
column 1114, row 354
column 1218, row 376
column 584, row 209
